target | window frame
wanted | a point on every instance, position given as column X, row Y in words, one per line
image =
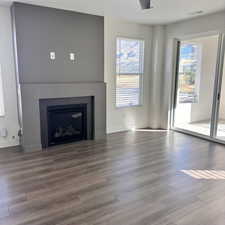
column 141, row 75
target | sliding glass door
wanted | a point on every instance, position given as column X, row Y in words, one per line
column 195, row 81
column 199, row 93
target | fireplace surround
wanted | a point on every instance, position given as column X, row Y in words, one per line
column 35, row 98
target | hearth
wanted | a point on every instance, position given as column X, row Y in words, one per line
column 66, row 120
column 67, row 123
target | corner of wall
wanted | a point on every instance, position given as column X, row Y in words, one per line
column 157, row 73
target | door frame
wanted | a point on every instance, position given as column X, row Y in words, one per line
column 218, row 85
column 216, row 91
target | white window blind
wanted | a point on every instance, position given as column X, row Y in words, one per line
column 130, row 70
column 2, row 108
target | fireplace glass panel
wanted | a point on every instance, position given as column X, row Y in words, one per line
column 67, row 124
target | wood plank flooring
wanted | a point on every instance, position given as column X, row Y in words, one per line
column 132, row 178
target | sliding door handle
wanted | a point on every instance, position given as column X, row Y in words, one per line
column 218, row 96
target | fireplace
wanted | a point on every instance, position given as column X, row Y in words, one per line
column 67, row 123
column 66, row 120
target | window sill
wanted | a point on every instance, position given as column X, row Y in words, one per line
column 127, row 107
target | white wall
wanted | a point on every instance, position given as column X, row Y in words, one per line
column 125, row 118
column 200, row 26
column 10, row 120
column 156, row 77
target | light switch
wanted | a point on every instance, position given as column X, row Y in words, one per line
column 72, row 56
column 52, row 55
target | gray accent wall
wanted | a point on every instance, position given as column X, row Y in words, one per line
column 37, row 32
column 40, row 30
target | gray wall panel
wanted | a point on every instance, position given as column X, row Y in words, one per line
column 40, row 30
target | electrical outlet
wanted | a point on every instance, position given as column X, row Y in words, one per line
column 4, row 132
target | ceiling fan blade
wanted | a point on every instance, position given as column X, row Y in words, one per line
column 145, row 4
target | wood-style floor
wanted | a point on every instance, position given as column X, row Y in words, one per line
column 133, row 178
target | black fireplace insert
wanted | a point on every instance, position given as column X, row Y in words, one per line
column 66, row 120
column 67, row 123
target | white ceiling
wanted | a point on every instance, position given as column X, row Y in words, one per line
column 164, row 11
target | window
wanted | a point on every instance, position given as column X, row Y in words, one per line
column 2, row 108
column 189, row 73
column 130, row 70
